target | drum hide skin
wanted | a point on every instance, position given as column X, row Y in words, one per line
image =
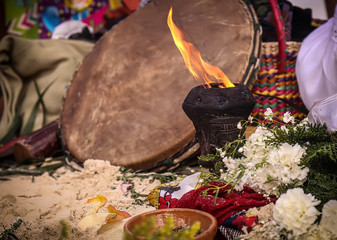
column 124, row 102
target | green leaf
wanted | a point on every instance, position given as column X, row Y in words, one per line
column 269, row 179
column 31, row 120
column 9, row 233
column 13, row 130
column 242, row 172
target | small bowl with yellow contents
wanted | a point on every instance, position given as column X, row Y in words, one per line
column 171, row 223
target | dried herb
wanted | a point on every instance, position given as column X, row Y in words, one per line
column 34, row 167
column 140, row 199
column 128, row 176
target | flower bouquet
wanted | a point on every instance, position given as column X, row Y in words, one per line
column 278, row 183
column 295, row 162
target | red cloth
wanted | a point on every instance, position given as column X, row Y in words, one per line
column 227, row 204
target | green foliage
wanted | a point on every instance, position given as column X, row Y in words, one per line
column 216, row 190
column 34, row 166
column 283, row 188
column 214, row 161
column 209, row 161
column 320, row 158
column 64, row 230
column 31, row 120
column 13, row 129
column 323, row 186
column 25, row 167
column 207, row 177
column 9, row 233
column 149, row 230
column 139, row 198
column 218, row 166
column 210, row 157
column 129, row 176
column 302, row 135
column 231, row 148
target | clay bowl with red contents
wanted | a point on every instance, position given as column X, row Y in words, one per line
column 182, row 218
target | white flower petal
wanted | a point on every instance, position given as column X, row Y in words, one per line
column 295, row 211
column 329, row 217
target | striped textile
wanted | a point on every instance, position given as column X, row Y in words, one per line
column 271, row 86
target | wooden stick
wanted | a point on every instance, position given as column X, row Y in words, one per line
column 39, row 144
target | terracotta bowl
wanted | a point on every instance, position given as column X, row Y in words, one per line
column 182, row 217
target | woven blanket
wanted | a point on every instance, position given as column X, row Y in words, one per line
column 278, row 91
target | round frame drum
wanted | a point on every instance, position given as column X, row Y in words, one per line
column 124, row 102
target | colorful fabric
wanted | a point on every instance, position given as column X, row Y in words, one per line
column 38, row 18
column 167, row 195
column 278, row 91
column 227, row 206
column 52, row 12
column 21, row 18
column 239, row 220
column 232, row 227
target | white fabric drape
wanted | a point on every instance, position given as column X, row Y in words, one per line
column 316, row 65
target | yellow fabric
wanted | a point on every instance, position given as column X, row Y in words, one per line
column 23, row 61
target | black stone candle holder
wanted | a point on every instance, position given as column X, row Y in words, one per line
column 216, row 112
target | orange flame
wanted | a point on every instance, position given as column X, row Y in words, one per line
column 200, row 70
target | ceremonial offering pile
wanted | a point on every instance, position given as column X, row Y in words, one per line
column 279, row 183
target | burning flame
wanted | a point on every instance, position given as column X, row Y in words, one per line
column 200, row 70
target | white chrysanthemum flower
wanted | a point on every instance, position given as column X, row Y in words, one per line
column 266, row 166
column 295, row 211
column 268, row 114
column 285, row 164
column 329, row 217
column 287, row 118
column 250, row 119
column 287, row 155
